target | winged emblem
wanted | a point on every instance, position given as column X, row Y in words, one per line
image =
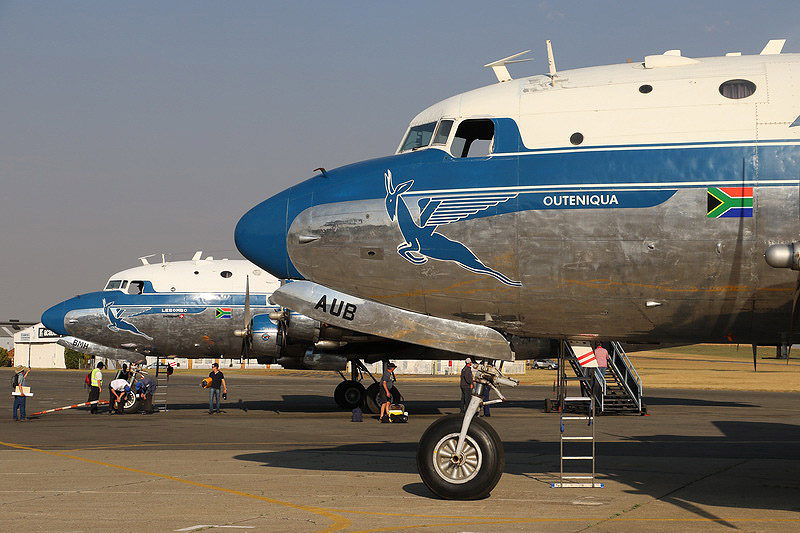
column 437, row 211
column 116, row 318
column 423, row 242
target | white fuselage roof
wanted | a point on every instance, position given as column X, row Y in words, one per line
column 605, row 105
column 204, row 275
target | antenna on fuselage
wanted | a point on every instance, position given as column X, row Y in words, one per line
column 144, row 259
column 499, row 66
column 551, row 63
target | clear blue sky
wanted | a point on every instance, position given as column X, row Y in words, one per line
column 128, row 128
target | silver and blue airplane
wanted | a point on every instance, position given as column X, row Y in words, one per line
column 207, row 308
column 653, row 202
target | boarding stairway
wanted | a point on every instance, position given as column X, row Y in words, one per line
column 618, row 390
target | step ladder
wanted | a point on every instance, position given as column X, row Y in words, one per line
column 574, row 410
column 162, row 380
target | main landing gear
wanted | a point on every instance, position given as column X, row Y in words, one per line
column 350, row 393
column 462, row 458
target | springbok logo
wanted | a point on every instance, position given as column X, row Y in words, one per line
column 116, row 319
column 423, row 242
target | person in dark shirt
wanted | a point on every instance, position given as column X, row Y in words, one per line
column 466, row 383
column 123, row 373
column 384, row 392
column 145, row 388
column 217, row 383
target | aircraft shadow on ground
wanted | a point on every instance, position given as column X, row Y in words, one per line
column 647, row 464
column 310, row 403
column 693, row 402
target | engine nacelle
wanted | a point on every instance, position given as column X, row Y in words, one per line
column 324, row 361
column 300, row 328
column 267, row 340
column 533, row 348
column 314, row 361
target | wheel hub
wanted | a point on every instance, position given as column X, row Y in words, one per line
column 453, row 467
column 352, row 394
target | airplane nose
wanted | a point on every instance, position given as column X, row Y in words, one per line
column 261, row 235
column 53, row 318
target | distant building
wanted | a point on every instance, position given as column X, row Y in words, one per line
column 6, row 341
column 37, row 347
column 440, row 367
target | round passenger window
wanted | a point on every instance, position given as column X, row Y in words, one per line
column 736, row 89
column 576, row 138
column 644, row 89
column 226, row 273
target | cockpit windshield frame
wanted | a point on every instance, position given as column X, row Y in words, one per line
column 418, row 136
column 443, row 131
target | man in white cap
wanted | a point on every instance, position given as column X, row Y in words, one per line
column 118, row 394
column 466, row 383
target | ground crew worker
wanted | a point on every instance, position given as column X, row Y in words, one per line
column 17, row 382
column 123, row 373
column 601, row 354
column 145, row 388
column 486, row 391
column 217, row 382
column 384, row 392
column 95, row 384
column 466, row 382
column 117, row 394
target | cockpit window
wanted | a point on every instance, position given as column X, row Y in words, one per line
column 136, row 287
column 114, row 284
column 418, row 136
column 473, row 138
column 443, row 132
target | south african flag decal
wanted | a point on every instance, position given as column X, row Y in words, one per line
column 730, row 202
column 223, row 312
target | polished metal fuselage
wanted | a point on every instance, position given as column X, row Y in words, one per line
column 167, row 329
column 659, row 273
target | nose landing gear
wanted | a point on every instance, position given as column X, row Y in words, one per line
column 462, row 458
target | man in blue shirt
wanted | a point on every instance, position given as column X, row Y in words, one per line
column 384, row 392
column 145, row 388
column 466, row 382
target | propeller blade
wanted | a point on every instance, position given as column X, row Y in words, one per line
column 755, row 349
column 248, row 321
column 247, row 317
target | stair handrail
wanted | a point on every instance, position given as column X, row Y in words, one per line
column 630, row 370
column 600, row 378
column 598, row 375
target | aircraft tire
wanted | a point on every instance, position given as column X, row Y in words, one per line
column 471, row 480
column 371, row 404
column 371, row 399
column 349, row 394
column 132, row 404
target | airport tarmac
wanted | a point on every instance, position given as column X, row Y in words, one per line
column 702, row 460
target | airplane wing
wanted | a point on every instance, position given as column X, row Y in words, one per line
column 436, row 211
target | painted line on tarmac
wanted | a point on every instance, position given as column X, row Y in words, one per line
column 503, row 521
column 339, row 521
column 273, row 444
column 209, row 526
